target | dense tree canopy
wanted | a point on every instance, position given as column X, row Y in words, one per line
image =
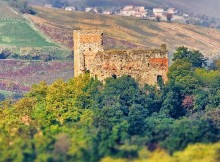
column 85, row 120
column 193, row 56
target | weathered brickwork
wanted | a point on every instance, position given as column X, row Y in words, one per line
column 143, row 65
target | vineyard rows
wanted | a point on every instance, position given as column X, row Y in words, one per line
column 7, row 13
column 17, row 75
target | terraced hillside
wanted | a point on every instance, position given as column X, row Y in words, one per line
column 7, row 13
column 15, row 30
column 17, row 34
column 20, row 75
column 127, row 31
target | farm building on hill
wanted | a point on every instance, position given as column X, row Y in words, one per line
column 158, row 12
column 137, row 11
column 70, row 8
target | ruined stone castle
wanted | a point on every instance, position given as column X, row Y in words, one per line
column 145, row 66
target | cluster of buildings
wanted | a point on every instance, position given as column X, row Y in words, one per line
column 161, row 12
column 142, row 12
column 136, row 11
column 131, row 10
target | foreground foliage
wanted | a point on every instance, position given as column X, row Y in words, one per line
column 85, row 120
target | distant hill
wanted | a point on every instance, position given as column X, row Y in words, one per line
column 201, row 7
column 127, row 32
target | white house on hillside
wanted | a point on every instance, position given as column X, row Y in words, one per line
column 171, row 11
column 137, row 11
column 91, row 9
column 128, row 8
column 140, row 8
column 48, row 6
column 70, row 8
column 88, row 9
column 158, row 12
column 107, row 12
column 127, row 11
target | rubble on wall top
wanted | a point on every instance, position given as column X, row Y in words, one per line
column 88, row 31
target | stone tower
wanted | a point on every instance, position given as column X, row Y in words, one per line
column 86, row 44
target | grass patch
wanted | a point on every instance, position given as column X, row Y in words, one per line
column 20, row 34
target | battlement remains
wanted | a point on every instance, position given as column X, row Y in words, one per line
column 86, row 44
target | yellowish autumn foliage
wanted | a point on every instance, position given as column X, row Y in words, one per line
column 199, row 153
column 193, row 153
column 25, row 105
column 109, row 159
column 61, row 95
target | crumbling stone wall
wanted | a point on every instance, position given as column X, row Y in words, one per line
column 146, row 66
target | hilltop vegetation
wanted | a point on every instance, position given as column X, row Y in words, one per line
column 21, row 5
column 127, row 32
column 85, row 120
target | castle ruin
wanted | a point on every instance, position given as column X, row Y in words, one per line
column 145, row 66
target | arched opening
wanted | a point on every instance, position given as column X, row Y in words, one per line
column 114, row 76
column 159, row 79
column 87, row 71
column 102, row 39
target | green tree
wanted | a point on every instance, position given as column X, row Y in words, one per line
column 157, row 18
column 193, row 56
column 172, row 102
column 180, row 68
column 215, row 65
column 188, row 130
column 169, row 17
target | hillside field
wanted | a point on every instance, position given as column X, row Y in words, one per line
column 127, row 32
column 15, row 30
column 19, row 36
column 7, row 13
column 20, row 75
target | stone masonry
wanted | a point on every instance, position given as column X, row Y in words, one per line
column 145, row 66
